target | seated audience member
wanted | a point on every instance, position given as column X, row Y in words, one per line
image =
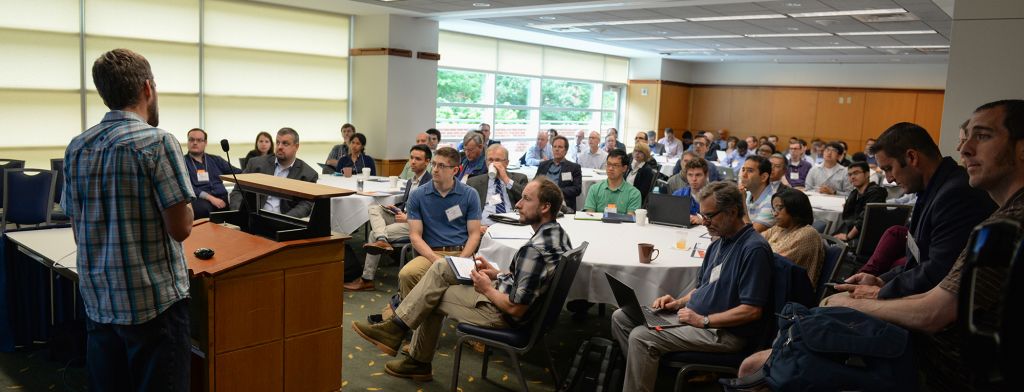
column 672, row 145
column 844, row 158
column 793, row 236
column 340, row 150
column 615, row 143
column 264, row 146
column 656, row 148
column 433, row 139
column 473, row 161
column 643, row 170
column 816, row 154
column 390, row 223
column 282, row 164
column 777, row 179
column 614, row 190
column 641, row 137
column 696, row 179
column 730, row 145
column 700, row 147
column 678, row 180
column 766, row 149
column 829, row 177
column 890, row 252
column 539, row 152
column 551, row 136
column 711, row 155
column 754, row 178
column 726, row 308
column 735, row 159
column 577, row 146
column 499, row 194
column 870, row 158
column 496, row 299
column 687, row 140
column 356, row 158
column 407, row 172
column 946, row 211
column 798, row 164
column 485, row 130
column 752, row 143
column 994, row 151
column 864, row 192
column 773, row 139
column 204, row 172
column 567, row 175
column 593, row 156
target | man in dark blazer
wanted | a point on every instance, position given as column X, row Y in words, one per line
column 946, row 211
column 501, row 193
column 568, row 175
column 282, row 164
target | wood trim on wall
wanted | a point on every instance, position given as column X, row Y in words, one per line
column 380, row 52
column 815, row 88
column 389, row 167
column 428, row 56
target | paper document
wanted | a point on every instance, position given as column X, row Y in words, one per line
column 587, row 215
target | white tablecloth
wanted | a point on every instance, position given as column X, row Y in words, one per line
column 667, row 164
column 827, row 207
column 590, row 177
column 349, row 212
column 613, row 249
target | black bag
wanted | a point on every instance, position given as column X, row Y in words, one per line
column 595, row 368
column 837, row 349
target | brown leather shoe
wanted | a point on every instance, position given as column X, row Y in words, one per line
column 410, row 368
column 377, row 247
column 359, row 285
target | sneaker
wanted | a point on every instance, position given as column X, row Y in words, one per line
column 359, row 285
column 410, row 368
column 377, row 247
column 387, row 336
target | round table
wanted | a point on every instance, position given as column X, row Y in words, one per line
column 667, row 164
column 613, row 249
column 350, row 212
column 828, row 208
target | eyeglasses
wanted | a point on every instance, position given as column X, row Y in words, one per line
column 778, row 208
column 700, row 144
column 443, row 166
column 709, row 216
column 496, row 160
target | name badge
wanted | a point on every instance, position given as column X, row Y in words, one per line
column 611, row 209
column 715, row 273
column 465, row 178
column 794, row 176
column 912, row 245
column 453, row 213
column 494, row 199
column 566, row 176
column 202, row 175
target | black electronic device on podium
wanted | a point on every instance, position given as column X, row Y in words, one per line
column 279, row 227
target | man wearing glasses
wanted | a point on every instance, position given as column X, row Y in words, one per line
column 830, row 177
column 864, row 192
column 568, row 175
column 593, row 156
column 614, row 190
column 799, row 165
column 204, row 171
column 700, row 147
column 499, row 194
column 725, row 309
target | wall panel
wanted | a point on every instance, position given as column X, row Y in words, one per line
column 928, row 113
column 750, row 112
column 840, row 116
column 794, row 113
column 710, row 108
column 674, row 111
column 883, row 109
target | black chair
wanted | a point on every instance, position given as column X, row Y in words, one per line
column 821, row 226
column 521, row 340
column 834, row 251
column 878, row 217
column 8, row 164
column 33, row 202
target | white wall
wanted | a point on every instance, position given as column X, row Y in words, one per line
column 985, row 62
column 922, row 76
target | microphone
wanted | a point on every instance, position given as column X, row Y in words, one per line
column 224, row 145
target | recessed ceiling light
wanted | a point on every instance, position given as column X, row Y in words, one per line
column 903, row 32
column 793, row 28
column 737, row 17
column 849, row 13
column 788, row 35
column 685, row 50
column 547, row 18
column 706, row 36
column 911, row 47
column 647, row 21
column 827, row 47
column 634, row 39
column 481, row 5
column 793, row 4
column 606, row 23
column 751, row 49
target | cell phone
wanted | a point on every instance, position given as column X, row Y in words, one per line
column 390, row 210
column 832, row 284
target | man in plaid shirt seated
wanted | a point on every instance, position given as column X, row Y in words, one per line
column 496, row 299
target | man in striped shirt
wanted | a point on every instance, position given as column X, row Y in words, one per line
column 128, row 194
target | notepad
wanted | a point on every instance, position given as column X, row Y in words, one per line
column 463, row 266
column 587, row 215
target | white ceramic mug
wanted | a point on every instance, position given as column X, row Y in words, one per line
column 366, row 172
column 641, row 216
column 394, row 181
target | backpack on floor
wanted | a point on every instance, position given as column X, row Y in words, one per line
column 595, row 368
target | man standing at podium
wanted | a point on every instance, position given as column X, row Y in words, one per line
column 127, row 192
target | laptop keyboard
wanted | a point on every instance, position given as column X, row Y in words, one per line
column 655, row 320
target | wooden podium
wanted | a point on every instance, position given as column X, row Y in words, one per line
column 266, row 314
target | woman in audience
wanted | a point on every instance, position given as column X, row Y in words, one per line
column 264, row 146
column 355, row 158
column 793, row 236
column 340, row 150
column 730, row 145
column 643, row 170
column 766, row 149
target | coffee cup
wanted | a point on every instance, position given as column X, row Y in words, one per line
column 366, row 172
column 347, row 171
column 394, row 181
column 647, row 253
column 641, row 216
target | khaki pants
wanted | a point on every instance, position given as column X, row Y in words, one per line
column 411, row 273
column 644, row 347
column 382, row 225
column 437, row 295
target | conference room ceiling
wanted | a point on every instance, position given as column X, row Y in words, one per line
column 788, row 31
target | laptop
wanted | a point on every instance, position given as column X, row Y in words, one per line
column 626, row 298
column 669, row 210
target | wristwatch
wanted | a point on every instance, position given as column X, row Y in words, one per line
column 707, row 322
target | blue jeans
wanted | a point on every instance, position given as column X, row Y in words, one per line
column 153, row 356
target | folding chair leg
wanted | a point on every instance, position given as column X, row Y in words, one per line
column 483, row 367
column 518, row 368
column 455, row 368
column 551, row 361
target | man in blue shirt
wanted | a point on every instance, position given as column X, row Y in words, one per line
column 472, row 163
column 127, row 192
column 444, row 219
column 204, row 171
column 733, row 287
column 696, row 178
column 568, row 175
column 538, row 152
column 736, row 158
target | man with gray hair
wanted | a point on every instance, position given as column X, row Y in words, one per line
column 500, row 194
column 282, row 163
column 726, row 308
column 539, row 152
column 592, row 155
column 472, row 156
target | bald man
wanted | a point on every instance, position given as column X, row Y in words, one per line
column 407, row 173
column 593, row 156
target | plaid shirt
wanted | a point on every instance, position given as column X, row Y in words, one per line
column 118, row 177
column 533, row 264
